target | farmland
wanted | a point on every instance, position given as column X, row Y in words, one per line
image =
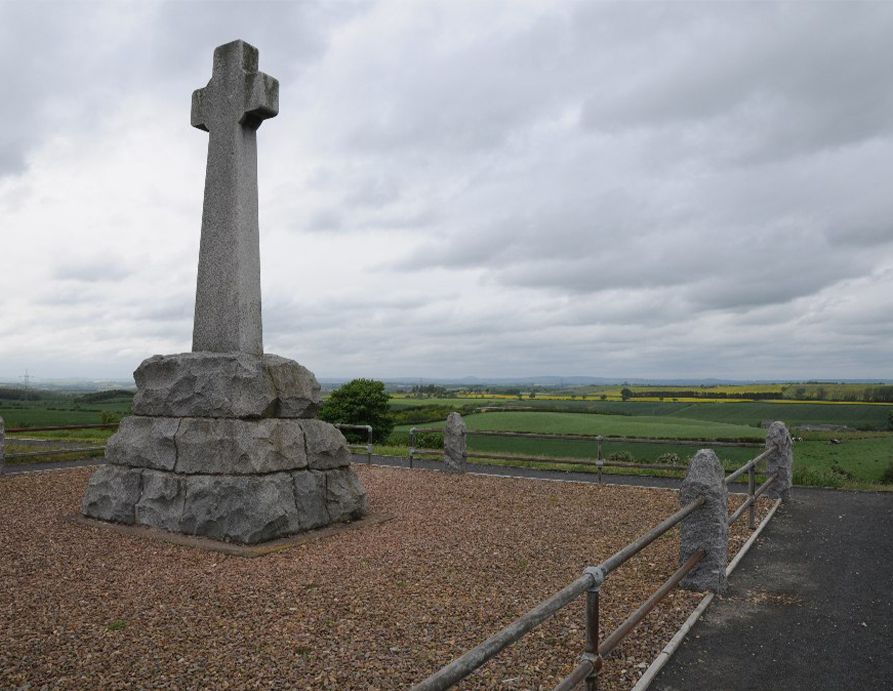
column 861, row 454
column 858, row 456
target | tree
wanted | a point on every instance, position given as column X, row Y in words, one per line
column 360, row 402
column 625, row 394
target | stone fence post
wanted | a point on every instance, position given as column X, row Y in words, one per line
column 707, row 527
column 781, row 461
column 455, row 452
column 2, row 450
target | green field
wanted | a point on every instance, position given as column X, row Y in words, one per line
column 863, row 416
column 860, row 460
column 610, row 425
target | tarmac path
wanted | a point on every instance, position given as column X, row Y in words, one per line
column 809, row 607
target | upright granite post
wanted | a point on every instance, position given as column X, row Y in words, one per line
column 707, row 527
column 2, row 445
column 223, row 442
column 455, row 446
column 781, row 461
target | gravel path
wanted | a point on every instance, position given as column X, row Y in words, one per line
column 375, row 608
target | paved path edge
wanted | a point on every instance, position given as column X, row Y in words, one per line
column 663, row 657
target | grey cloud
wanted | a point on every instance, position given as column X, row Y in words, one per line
column 94, row 270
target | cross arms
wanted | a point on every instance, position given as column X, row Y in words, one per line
column 237, row 92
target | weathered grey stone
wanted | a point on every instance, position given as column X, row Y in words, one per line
column 310, row 499
column 231, row 108
column 345, row 497
column 236, row 385
column 112, row 493
column 781, row 460
column 238, row 508
column 297, row 390
column 2, row 444
column 326, row 446
column 161, row 501
column 706, row 527
column 144, row 442
column 224, row 446
column 225, row 434
column 454, row 444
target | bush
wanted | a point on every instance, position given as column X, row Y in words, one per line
column 670, row 458
column 621, row 456
column 360, row 402
column 424, row 440
column 887, row 476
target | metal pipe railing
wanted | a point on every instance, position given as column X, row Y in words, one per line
column 753, row 497
column 731, row 477
column 54, row 452
column 61, row 428
column 633, row 619
column 592, row 578
column 590, row 437
column 591, row 660
column 462, row 666
column 657, row 531
column 368, row 428
column 412, row 450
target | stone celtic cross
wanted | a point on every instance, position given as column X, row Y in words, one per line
column 231, row 108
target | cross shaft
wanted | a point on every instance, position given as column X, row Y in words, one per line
column 231, row 108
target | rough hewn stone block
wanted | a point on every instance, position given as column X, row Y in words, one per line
column 238, row 508
column 310, row 499
column 112, row 493
column 225, row 446
column 326, row 446
column 345, row 498
column 161, row 501
column 706, row 527
column 144, row 442
column 235, row 385
column 455, row 453
column 781, row 461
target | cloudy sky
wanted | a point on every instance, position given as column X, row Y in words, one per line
column 463, row 188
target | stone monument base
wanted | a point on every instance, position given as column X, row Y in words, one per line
column 200, row 456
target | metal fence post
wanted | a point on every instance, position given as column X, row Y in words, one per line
column 412, row 438
column 599, row 461
column 590, row 654
column 751, row 488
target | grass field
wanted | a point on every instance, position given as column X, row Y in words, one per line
column 62, row 411
column 610, row 425
column 857, row 415
column 860, row 460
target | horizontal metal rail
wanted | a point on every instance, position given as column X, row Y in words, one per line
column 587, row 666
column 750, row 500
column 747, row 466
column 464, row 665
column 633, row 619
column 60, row 428
column 595, row 438
column 558, row 460
column 657, row 531
column 55, row 452
column 368, row 428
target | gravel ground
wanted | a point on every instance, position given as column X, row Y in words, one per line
column 379, row 607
